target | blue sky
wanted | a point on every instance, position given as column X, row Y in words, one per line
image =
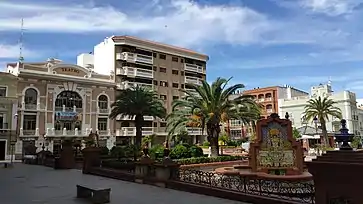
column 258, row 42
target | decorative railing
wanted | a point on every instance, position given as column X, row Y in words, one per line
column 295, row 191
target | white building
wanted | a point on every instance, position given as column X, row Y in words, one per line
column 346, row 101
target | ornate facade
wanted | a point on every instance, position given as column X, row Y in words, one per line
column 62, row 101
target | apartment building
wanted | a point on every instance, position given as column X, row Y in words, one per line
column 161, row 67
column 60, row 101
column 346, row 101
column 268, row 97
column 8, row 114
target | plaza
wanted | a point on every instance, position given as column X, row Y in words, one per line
column 30, row 184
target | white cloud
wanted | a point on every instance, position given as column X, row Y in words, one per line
column 179, row 21
column 331, row 7
column 13, row 51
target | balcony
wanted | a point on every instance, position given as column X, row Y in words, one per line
column 147, row 118
column 103, row 111
column 133, row 57
column 127, row 85
column 135, row 72
column 131, row 131
column 68, row 109
column 269, row 111
column 193, row 68
column 194, row 131
column 4, row 126
column 32, row 107
column 51, row 132
column 192, row 91
column 30, row 133
column 268, row 99
column 193, row 80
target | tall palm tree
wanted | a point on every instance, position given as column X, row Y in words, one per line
column 322, row 108
column 138, row 102
column 209, row 103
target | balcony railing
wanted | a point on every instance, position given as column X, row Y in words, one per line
column 269, row 110
column 68, row 109
column 131, row 131
column 103, row 110
column 193, row 68
column 134, row 72
column 193, row 80
column 4, row 126
column 147, row 118
column 133, row 57
column 127, row 85
column 194, row 131
column 23, row 132
column 32, row 107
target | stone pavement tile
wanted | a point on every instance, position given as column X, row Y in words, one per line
column 28, row 184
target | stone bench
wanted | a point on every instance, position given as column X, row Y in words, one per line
column 93, row 194
column 6, row 163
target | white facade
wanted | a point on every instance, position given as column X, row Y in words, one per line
column 346, row 101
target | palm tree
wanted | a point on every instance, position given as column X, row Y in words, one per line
column 138, row 102
column 209, row 103
column 322, row 108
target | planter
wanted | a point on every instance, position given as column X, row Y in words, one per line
column 91, row 158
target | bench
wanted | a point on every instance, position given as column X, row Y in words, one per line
column 6, row 163
column 95, row 195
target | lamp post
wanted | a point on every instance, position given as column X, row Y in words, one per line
column 315, row 120
column 16, row 137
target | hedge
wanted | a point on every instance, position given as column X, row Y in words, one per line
column 201, row 160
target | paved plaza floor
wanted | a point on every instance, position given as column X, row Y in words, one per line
column 28, row 184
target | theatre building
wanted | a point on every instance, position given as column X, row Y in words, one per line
column 60, row 101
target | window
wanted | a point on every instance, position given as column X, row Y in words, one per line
column 175, row 85
column 31, row 96
column 30, row 122
column 163, row 97
column 182, row 73
column 164, row 83
column 154, row 55
column 69, row 99
column 182, row 86
column 162, row 56
column 182, row 60
column 174, row 59
column 176, row 72
column 155, row 68
column 2, row 91
column 162, row 69
column 175, row 97
column 162, row 124
column 155, row 124
column 155, row 82
column 102, row 124
column 102, row 102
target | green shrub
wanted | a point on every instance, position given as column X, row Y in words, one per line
column 125, row 151
column 157, row 152
column 231, row 143
column 117, row 152
column 206, row 144
column 186, row 145
column 104, row 151
column 201, row 160
column 179, row 152
column 196, row 151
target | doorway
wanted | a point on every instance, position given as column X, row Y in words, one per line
column 2, row 150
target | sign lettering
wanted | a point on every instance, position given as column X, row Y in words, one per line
column 70, row 70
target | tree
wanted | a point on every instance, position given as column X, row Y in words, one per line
column 209, row 102
column 322, row 108
column 138, row 102
column 295, row 133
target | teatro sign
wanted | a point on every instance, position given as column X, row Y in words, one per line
column 73, row 70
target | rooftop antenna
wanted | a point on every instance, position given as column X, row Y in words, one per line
column 21, row 58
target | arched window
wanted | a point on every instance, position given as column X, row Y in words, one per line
column 31, row 96
column 102, row 102
column 69, row 99
column 269, row 106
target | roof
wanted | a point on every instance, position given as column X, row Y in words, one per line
column 308, row 130
column 126, row 37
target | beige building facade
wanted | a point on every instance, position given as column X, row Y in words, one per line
column 161, row 67
column 60, row 101
column 8, row 114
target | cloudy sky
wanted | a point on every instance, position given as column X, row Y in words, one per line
column 258, row 42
